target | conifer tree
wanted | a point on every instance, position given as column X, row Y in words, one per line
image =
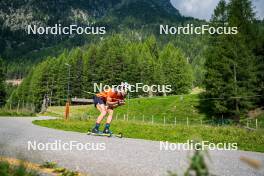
column 230, row 64
column 76, row 72
column 110, row 62
column 177, row 71
column 259, row 53
column 2, row 84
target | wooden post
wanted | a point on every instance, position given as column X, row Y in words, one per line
column 18, row 106
column 256, row 123
column 175, row 121
column 124, row 116
column 247, row 123
column 67, row 110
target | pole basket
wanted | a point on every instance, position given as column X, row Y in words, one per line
column 67, row 110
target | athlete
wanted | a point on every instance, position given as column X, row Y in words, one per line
column 106, row 102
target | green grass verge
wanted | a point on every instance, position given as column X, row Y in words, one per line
column 15, row 113
column 251, row 141
column 157, row 108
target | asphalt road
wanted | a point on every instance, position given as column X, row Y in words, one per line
column 130, row 157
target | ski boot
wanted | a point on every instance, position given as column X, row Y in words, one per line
column 95, row 130
column 107, row 131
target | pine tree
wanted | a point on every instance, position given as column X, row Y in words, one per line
column 146, row 65
column 62, row 79
column 76, row 81
column 177, row 71
column 220, row 14
column 230, row 64
column 131, row 72
column 112, row 60
column 259, row 52
column 241, row 15
column 88, row 70
column 2, row 84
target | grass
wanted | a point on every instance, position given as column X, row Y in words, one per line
column 261, row 120
column 16, row 113
column 251, row 122
column 170, row 107
column 15, row 167
column 82, row 118
column 178, row 107
column 6, row 169
column 250, row 141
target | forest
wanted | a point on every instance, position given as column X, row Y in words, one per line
column 229, row 68
column 110, row 62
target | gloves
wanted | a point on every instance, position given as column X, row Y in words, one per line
column 121, row 102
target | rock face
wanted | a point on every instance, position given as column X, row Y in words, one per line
column 16, row 15
column 166, row 4
column 147, row 11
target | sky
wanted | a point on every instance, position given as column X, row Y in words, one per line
column 203, row 9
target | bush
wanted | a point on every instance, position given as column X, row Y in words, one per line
column 9, row 170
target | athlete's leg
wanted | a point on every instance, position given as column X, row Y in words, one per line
column 110, row 115
column 108, row 121
column 103, row 111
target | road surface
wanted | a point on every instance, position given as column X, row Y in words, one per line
column 130, row 157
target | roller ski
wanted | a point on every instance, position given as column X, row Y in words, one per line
column 99, row 133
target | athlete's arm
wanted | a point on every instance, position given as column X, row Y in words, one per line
column 113, row 106
column 110, row 102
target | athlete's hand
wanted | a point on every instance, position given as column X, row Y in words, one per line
column 121, row 102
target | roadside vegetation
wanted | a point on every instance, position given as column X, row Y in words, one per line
column 8, row 169
column 143, row 118
column 179, row 109
column 16, row 113
column 15, row 167
column 144, row 109
column 251, row 141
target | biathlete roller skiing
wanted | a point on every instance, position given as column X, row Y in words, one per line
column 106, row 101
